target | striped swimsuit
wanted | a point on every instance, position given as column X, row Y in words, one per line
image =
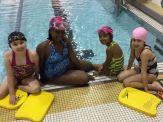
column 116, row 65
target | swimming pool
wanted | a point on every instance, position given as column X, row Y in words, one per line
column 85, row 18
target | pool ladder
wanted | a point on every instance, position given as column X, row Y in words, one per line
column 119, row 4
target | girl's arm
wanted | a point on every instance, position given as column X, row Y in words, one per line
column 41, row 54
column 36, row 61
column 109, row 55
column 72, row 54
column 79, row 64
column 145, row 56
column 131, row 59
column 10, row 77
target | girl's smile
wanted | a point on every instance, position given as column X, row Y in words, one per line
column 104, row 38
column 18, row 45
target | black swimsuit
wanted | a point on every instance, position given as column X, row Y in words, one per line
column 152, row 64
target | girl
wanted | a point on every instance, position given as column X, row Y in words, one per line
column 114, row 55
column 58, row 61
column 145, row 75
column 21, row 68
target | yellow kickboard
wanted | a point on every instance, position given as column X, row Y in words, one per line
column 139, row 100
column 21, row 97
column 35, row 107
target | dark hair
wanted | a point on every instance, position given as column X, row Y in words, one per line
column 15, row 36
column 49, row 34
column 110, row 34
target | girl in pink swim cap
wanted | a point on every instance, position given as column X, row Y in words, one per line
column 113, row 64
column 144, row 76
column 58, row 61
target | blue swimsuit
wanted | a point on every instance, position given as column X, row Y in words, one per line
column 56, row 63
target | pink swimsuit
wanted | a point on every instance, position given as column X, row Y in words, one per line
column 23, row 71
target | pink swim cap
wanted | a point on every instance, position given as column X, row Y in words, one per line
column 140, row 33
column 105, row 29
column 57, row 23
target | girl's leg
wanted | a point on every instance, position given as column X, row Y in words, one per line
column 30, row 85
column 71, row 77
column 127, row 73
column 3, row 88
column 158, row 86
column 135, row 81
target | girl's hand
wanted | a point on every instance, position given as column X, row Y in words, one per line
column 102, row 71
column 12, row 99
column 146, row 90
column 100, row 68
column 125, row 68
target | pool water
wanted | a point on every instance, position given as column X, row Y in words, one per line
column 85, row 17
column 34, row 23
